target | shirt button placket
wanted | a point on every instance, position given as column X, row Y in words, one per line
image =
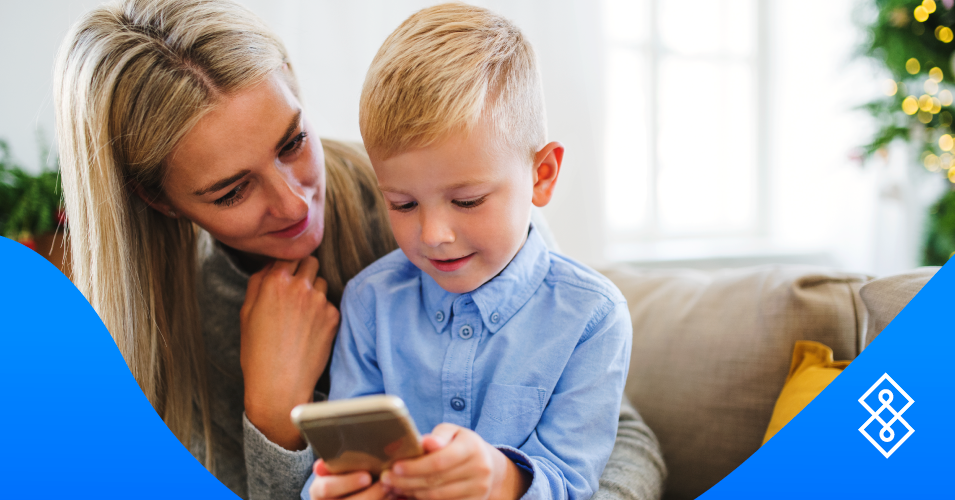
column 465, row 323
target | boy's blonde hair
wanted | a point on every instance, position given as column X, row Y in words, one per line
column 444, row 70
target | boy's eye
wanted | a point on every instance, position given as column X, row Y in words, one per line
column 470, row 203
column 295, row 144
column 232, row 197
column 404, row 207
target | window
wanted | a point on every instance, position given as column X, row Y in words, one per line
column 684, row 131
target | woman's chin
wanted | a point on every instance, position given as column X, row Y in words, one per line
column 298, row 248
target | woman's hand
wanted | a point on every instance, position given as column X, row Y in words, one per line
column 288, row 328
column 457, row 463
column 353, row 486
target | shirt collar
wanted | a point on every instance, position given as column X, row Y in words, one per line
column 501, row 297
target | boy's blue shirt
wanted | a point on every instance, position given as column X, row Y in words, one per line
column 534, row 360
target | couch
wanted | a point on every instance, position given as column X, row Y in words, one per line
column 711, row 351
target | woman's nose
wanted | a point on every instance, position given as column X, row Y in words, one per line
column 436, row 228
column 290, row 197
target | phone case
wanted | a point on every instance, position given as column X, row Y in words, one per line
column 367, row 433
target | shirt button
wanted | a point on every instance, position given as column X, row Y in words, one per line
column 439, row 316
column 495, row 317
column 457, row 404
column 466, row 332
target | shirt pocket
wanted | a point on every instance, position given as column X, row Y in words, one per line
column 510, row 413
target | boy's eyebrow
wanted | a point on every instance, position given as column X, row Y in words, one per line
column 451, row 187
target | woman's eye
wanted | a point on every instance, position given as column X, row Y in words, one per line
column 470, row 203
column 295, row 144
column 232, row 197
column 404, row 207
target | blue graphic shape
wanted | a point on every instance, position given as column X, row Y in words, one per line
column 822, row 451
column 74, row 422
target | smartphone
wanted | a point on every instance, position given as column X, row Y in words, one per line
column 368, row 433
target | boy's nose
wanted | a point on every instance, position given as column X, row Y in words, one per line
column 435, row 230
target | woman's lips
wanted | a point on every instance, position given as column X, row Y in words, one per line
column 293, row 230
column 450, row 265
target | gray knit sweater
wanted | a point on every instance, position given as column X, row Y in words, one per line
column 255, row 468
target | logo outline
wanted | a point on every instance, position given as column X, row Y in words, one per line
column 886, row 405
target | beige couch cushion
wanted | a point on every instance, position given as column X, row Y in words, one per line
column 711, row 351
column 884, row 298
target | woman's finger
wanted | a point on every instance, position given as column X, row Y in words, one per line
column 252, row 291
column 320, row 285
column 307, row 268
column 284, row 266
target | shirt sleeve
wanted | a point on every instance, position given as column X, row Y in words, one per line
column 354, row 370
column 636, row 470
column 273, row 472
column 575, row 436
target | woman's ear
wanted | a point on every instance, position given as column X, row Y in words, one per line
column 546, row 168
column 157, row 203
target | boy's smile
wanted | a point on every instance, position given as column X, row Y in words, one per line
column 460, row 209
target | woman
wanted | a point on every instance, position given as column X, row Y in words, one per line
column 179, row 120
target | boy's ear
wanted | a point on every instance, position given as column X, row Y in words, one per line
column 157, row 203
column 546, row 168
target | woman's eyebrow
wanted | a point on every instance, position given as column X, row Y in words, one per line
column 221, row 184
column 290, row 130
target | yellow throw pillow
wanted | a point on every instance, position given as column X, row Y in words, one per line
column 811, row 371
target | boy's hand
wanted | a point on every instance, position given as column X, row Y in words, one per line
column 457, row 463
column 353, row 486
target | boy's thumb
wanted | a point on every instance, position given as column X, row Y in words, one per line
column 439, row 437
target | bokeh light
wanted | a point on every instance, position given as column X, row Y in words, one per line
column 951, row 175
column 931, row 162
column 931, row 86
column 921, row 14
column 935, row 74
column 945, row 96
column 945, row 161
column 944, row 34
column 945, row 118
column 925, row 117
column 929, row 6
column 910, row 106
column 912, row 66
column 945, row 142
column 936, row 106
column 925, row 103
column 890, row 87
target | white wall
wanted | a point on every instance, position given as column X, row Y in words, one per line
column 864, row 219
column 30, row 33
column 333, row 43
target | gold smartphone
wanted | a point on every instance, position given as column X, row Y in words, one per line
column 367, row 433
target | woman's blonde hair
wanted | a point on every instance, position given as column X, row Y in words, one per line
column 131, row 80
column 444, row 70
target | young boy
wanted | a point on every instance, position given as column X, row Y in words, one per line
column 513, row 357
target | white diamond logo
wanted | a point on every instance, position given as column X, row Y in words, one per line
column 889, row 422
